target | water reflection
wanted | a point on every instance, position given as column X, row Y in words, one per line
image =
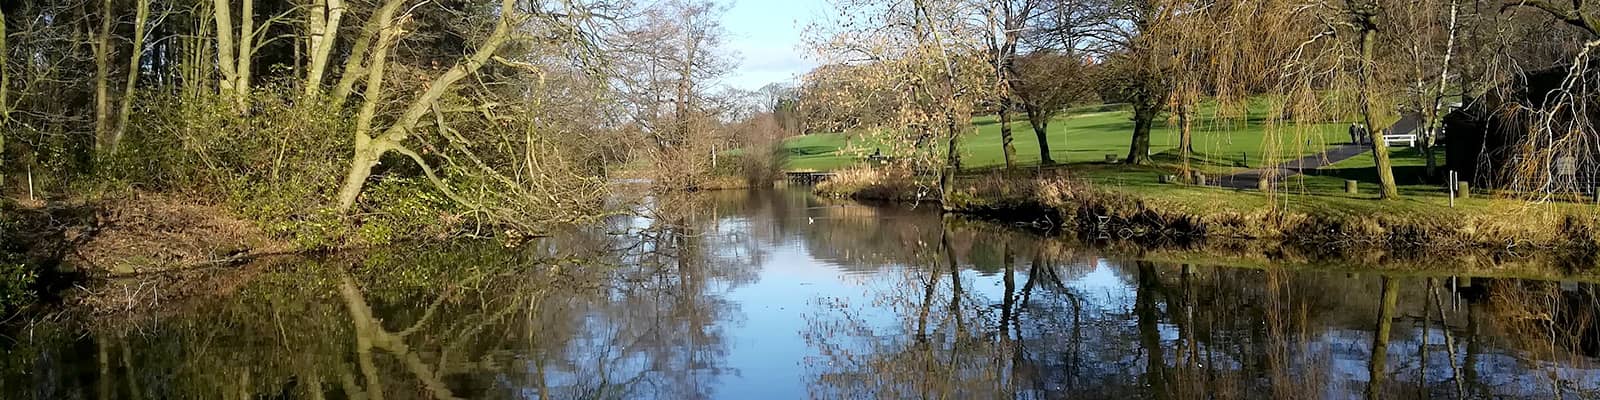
column 781, row 295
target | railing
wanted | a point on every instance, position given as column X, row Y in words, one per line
column 1410, row 139
column 808, row 178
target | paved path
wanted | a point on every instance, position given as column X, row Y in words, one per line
column 1251, row 179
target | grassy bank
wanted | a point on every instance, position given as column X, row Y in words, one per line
column 1312, row 211
column 1421, row 224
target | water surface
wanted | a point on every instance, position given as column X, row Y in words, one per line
column 744, row 295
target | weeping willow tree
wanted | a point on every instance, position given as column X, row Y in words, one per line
column 1553, row 126
column 1312, row 63
column 1230, row 54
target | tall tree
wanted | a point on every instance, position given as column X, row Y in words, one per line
column 930, row 58
column 673, row 57
column 370, row 147
column 1050, row 82
column 102, row 81
column 1364, row 15
column 1120, row 34
column 1007, row 21
column 135, row 64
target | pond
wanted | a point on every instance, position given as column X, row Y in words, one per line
column 754, row 295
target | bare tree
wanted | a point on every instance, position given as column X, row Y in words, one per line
column 669, row 63
column 370, row 147
column 1118, row 31
column 931, row 56
column 141, row 20
column 1007, row 21
column 322, row 25
column 1050, row 82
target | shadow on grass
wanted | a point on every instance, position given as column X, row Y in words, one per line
column 812, row 151
column 1403, row 175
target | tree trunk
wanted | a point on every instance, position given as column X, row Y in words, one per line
column 1185, row 138
column 369, row 149
column 135, row 61
column 952, row 155
column 1380, row 338
column 1005, row 135
column 5, row 94
column 1144, row 116
column 102, row 82
column 366, row 157
column 325, row 19
column 355, row 66
column 1380, row 150
column 235, row 51
column 246, row 54
column 1041, row 130
column 1435, row 126
column 222, row 13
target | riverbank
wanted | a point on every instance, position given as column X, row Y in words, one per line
column 132, row 233
column 1278, row 222
column 47, row 247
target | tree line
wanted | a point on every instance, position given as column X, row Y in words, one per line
column 924, row 68
column 512, row 112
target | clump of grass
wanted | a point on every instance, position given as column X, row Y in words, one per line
column 1051, row 188
column 884, row 184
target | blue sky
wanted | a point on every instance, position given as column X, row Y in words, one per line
column 768, row 36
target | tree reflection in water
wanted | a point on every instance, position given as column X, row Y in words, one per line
column 658, row 306
column 1182, row 331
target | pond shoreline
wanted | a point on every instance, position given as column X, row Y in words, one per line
column 171, row 242
column 1059, row 206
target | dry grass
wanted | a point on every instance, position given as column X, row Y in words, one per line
column 884, row 184
column 145, row 232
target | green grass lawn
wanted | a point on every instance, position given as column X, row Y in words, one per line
column 1410, row 169
column 1088, row 135
column 1081, row 139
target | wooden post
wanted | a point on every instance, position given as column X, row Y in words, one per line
column 1463, row 190
column 1350, row 186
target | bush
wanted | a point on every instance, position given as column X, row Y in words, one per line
column 16, row 286
column 278, row 165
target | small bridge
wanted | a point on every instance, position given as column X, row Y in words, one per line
column 807, row 178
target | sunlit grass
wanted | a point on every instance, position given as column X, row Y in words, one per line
column 1081, row 139
column 1088, row 135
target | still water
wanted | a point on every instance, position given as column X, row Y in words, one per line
column 780, row 295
